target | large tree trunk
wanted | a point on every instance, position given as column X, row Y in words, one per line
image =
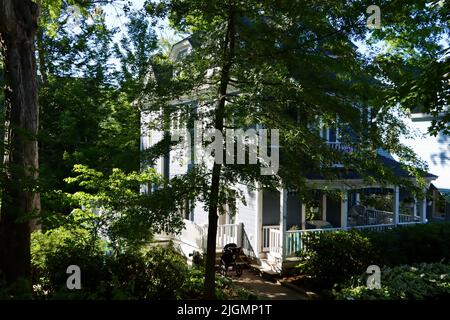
column 228, row 55
column 18, row 26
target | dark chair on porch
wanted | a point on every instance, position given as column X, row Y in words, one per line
column 357, row 216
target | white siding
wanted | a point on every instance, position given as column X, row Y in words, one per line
column 247, row 214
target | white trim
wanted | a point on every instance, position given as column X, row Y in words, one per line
column 396, row 204
column 259, row 216
column 283, row 218
column 303, row 215
column 423, row 211
column 344, row 209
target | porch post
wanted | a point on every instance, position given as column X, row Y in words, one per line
column 423, row 213
column 240, row 234
column 358, row 198
column 303, row 215
column 344, row 210
column 283, row 218
column 415, row 207
column 259, row 222
column 324, row 207
column 396, row 204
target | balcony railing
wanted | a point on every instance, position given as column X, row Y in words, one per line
column 339, row 147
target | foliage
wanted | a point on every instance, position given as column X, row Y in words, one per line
column 417, row 282
column 378, row 201
column 152, row 274
column 293, row 70
column 53, row 251
column 333, row 257
column 415, row 57
column 413, row 244
column 115, row 206
column 19, row 289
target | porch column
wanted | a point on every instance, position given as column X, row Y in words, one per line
column 415, row 207
column 283, row 218
column 259, row 218
column 358, row 198
column 324, row 207
column 344, row 209
column 240, row 234
column 303, row 215
column 396, row 204
column 423, row 212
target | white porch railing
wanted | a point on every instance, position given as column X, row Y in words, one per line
column 377, row 217
column 339, row 146
column 228, row 233
column 295, row 239
column 266, row 237
column 375, row 227
column 275, row 248
column 387, row 217
column 405, row 218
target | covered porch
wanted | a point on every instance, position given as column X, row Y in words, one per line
column 286, row 219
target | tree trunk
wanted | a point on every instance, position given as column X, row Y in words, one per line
column 228, row 47
column 18, row 26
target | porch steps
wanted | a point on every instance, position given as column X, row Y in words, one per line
column 243, row 259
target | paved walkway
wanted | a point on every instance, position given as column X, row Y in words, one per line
column 266, row 289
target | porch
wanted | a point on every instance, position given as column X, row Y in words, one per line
column 295, row 220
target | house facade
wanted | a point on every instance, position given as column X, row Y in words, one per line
column 271, row 225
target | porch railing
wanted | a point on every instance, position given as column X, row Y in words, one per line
column 275, row 243
column 340, row 147
column 296, row 240
column 405, row 218
column 228, row 233
column 380, row 217
column 266, row 237
column 231, row 233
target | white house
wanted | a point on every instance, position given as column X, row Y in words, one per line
column 271, row 226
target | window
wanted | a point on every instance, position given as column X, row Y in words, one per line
column 183, row 53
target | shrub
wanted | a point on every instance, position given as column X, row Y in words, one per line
column 336, row 256
column 168, row 272
column 413, row 244
column 53, row 251
column 423, row 281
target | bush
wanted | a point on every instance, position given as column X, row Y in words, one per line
column 53, row 251
column 413, row 244
column 419, row 282
column 154, row 274
column 333, row 257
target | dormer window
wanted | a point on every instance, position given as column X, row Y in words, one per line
column 183, row 53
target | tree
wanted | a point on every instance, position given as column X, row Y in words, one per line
column 281, row 65
column 416, row 57
column 18, row 26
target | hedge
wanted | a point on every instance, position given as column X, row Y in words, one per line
column 334, row 257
